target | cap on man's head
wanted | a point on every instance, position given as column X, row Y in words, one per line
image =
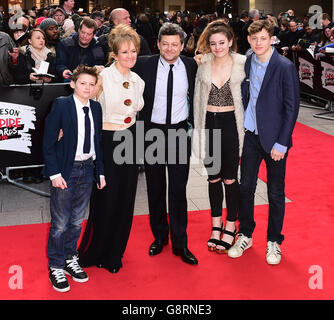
column 48, row 22
column 61, row 10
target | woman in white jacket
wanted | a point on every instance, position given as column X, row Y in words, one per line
column 218, row 118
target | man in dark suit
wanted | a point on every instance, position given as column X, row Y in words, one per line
column 243, row 45
column 169, row 90
column 72, row 153
column 270, row 95
column 238, row 26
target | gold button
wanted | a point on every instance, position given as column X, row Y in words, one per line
column 126, row 84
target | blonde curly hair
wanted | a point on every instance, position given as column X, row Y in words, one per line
column 120, row 34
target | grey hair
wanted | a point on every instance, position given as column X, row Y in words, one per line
column 171, row 29
column 253, row 13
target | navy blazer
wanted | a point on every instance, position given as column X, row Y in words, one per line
column 147, row 68
column 277, row 104
column 59, row 155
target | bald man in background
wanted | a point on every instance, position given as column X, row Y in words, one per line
column 122, row 16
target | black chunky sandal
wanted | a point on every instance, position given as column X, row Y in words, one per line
column 225, row 244
column 215, row 241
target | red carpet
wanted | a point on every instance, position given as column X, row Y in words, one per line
column 308, row 230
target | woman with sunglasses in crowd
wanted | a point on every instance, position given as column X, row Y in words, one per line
column 111, row 209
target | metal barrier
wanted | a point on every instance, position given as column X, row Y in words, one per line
column 316, row 83
column 322, row 115
column 17, row 182
column 23, row 109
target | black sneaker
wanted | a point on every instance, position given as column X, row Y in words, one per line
column 73, row 269
column 58, row 280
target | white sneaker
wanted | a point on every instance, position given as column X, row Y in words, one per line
column 273, row 253
column 240, row 246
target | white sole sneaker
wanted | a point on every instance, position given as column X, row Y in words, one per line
column 273, row 261
column 58, row 279
column 66, row 289
column 273, row 255
column 243, row 243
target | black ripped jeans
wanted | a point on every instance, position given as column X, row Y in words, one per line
column 221, row 162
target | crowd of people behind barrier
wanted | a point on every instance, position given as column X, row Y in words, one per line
column 67, row 38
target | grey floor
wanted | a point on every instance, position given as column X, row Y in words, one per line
column 19, row 206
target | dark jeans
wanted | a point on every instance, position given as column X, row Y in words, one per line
column 68, row 208
column 252, row 156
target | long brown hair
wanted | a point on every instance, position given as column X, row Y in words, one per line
column 218, row 26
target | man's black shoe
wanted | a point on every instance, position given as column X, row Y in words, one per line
column 156, row 246
column 186, row 255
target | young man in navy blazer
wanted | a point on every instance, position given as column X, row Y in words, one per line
column 270, row 95
column 72, row 156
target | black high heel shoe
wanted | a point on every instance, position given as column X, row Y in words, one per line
column 225, row 244
column 215, row 241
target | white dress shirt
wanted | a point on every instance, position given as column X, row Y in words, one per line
column 180, row 108
column 79, row 155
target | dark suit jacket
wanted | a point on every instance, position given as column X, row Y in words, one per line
column 59, row 155
column 278, row 101
column 147, row 67
column 243, row 44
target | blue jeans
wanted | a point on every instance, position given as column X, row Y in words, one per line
column 252, row 156
column 68, row 208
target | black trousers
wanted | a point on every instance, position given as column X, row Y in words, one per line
column 174, row 163
column 252, row 156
